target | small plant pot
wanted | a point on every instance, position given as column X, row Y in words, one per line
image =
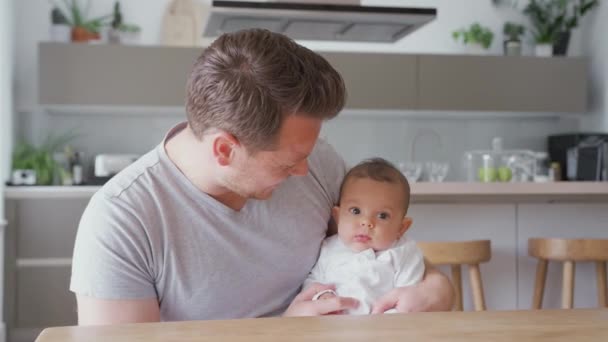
column 512, row 47
column 113, row 36
column 80, row 35
column 130, row 38
column 60, row 33
column 561, row 44
column 475, row 49
column 543, row 50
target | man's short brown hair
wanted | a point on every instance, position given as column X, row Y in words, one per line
column 379, row 170
column 246, row 82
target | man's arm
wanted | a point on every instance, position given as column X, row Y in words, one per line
column 93, row 311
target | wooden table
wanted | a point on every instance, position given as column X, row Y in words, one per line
column 518, row 326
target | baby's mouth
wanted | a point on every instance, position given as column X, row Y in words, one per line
column 362, row 238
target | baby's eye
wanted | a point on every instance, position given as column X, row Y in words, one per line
column 355, row 211
column 384, row 216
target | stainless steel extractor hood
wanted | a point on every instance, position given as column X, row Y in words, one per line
column 338, row 20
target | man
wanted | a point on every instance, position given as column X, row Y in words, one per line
column 211, row 224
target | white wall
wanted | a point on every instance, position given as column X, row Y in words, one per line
column 596, row 46
column 6, row 125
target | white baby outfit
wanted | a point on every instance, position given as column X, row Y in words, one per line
column 367, row 275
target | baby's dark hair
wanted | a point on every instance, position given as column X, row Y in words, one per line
column 380, row 170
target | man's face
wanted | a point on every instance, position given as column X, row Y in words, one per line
column 371, row 214
column 258, row 175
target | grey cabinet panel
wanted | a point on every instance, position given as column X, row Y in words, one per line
column 496, row 83
column 48, row 229
column 43, row 298
column 377, row 81
column 118, row 75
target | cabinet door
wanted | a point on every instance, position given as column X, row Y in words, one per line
column 377, row 81
column 113, row 75
column 495, row 83
column 460, row 222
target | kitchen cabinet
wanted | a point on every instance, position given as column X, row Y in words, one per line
column 377, row 81
column 493, row 83
column 155, row 76
column 113, row 75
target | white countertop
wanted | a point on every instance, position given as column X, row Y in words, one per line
column 421, row 192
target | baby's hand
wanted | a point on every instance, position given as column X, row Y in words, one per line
column 328, row 294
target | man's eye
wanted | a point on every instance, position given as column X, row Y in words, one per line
column 384, row 216
column 355, row 211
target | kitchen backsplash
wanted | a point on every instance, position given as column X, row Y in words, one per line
column 440, row 136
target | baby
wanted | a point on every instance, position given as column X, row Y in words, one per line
column 370, row 255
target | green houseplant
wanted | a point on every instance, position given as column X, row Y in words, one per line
column 39, row 158
column 76, row 15
column 475, row 35
column 512, row 41
column 552, row 21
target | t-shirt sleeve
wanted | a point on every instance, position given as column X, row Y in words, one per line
column 328, row 168
column 409, row 265
column 112, row 255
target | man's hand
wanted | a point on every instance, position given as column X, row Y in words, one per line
column 433, row 293
column 303, row 305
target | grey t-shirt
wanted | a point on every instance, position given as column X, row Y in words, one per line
column 150, row 233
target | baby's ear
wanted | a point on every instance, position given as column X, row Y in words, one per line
column 335, row 213
column 405, row 225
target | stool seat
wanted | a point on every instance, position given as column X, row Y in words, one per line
column 458, row 253
column 568, row 251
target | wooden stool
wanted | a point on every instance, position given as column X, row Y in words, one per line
column 568, row 251
column 455, row 254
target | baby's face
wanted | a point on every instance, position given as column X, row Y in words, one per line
column 371, row 214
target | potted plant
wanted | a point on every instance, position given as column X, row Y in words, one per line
column 476, row 38
column 119, row 31
column 39, row 159
column 512, row 42
column 60, row 29
column 572, row 11
column 83, row 29
column 552, row 21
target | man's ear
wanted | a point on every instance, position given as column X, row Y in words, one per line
column 224, row 147
column 335, row 213
column 405, row 225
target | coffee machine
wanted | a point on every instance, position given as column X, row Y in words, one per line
column 582, row 156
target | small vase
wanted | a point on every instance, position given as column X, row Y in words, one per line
column 60, row 33
column 512, row 48
column 80, row 35
column 543, row 50
column 561, row 44
column 475, row 49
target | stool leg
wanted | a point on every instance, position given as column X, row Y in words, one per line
column 457, row 282
column 568, row 285
column 477, row 287
column 600, row 268
column 539, row 284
